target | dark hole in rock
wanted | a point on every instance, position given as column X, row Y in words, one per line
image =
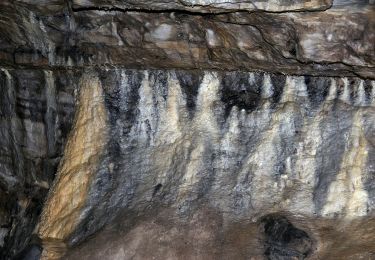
column 293, row 51
column 283, row 241
column 157, row 188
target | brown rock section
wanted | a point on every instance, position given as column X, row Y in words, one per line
column 336, row 42
column 208, row 235
column 82, row 154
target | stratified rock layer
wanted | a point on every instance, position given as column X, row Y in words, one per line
column 36, row 113
column 208, row 6
column 338, row 41
column 193, row 156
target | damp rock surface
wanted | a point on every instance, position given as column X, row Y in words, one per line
column 36, row 114
column 291, row 37
column 190, row 129
column 258, row 151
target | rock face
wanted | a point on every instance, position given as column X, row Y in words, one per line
column 335, row 42
column 206, row 151
column 187, row 129
column 36, row 113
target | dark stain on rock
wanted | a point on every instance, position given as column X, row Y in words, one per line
column 241, row 91
column 157, row 189
column 190, row 83
column 278, row 83
column 368, row 89
column 121, row 99
column 159, row 81
column 317, row 89
column 31, row 252
column 283, row 240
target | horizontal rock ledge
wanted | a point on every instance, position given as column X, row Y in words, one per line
column 335, row 42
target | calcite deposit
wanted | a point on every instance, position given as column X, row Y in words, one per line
column 187, row 129
column 251, row 148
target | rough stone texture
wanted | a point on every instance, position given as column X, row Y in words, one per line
column 191, row 163
column 282, row 157
column 36, row 112
column 335, row 42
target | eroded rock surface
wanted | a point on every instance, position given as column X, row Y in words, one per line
column 289, row 155
column 36, row 112
column 165, row 152
column 337, row 41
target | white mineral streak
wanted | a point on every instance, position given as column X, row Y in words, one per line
column 205, row 132
column 173, row 114
column 229, row 143
column 307, row 156
column 173, row 127
column 211, row 38
column 346, row 195
column 267, row 90
column 332, row 94
column 11, row 124
column 147, row 117
column 267, row 93
column 230, row 149
column 266, row 186
column 361, row 96
column 294, row 87
column 345, row 95
column 63, row 208
column 373, row 93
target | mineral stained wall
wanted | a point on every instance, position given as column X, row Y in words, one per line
column 190, row 129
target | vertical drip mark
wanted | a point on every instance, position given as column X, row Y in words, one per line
column 373, row 93
column 295, row 88
column 267, row 90
column 307, row 151
column 266, row 94
column 252, row 79
column 289, row 90
column 204, row 133
column 345, row 95
column 85, row 145
column 9, row 92
column 146, row 120
column 123, row 84
column 332, row 90
column 208, row 94
column 346, row 195
column 51, row 53
column 51, row 116
column 229, row 143
column 13, row 123
column 361, row 95
column 172, row 116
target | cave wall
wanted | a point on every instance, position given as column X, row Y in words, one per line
column 193, row 129
column 336, row 41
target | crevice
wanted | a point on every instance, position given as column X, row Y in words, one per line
column 209, row 12
column 79, row 68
